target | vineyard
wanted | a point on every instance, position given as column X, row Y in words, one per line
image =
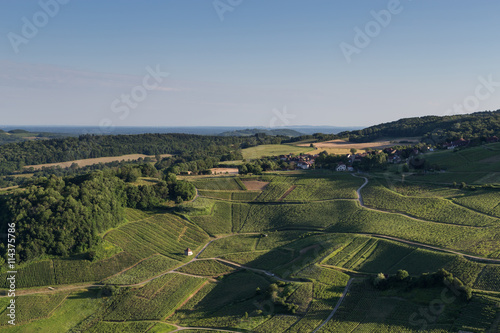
column 206, row 268
column 317, row 313
column 369, row 255
column 368, row 310
column 316, row 189
column 222, row 304
column 132, row 215
column 273, row 191
column 460, row 238
column 277, row 324
column 245, row 196
column 221, row 183
column 488, row 278
column 73, row 271
column 227, row 195
column 218, row 221
column 316, row 215
column 37, row 274
column 302, row 296
column 164, row 234
column 144, row 270
column 111, row 327
column 487, row 202
column 33, row 307
column 298, row 251
column 156, row 300
column 234, row 244
column 224, row 195
column 431, row 209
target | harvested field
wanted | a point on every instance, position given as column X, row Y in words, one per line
column 344, row 147
column 218, row 171
column 255, row 185
column 91, row 161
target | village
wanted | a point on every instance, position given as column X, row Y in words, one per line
column 393, row 155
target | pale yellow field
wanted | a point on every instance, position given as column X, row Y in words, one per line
column 344, row 147
column 91, row 161
column 255, row 185
column 217, row 171
column 273, row 150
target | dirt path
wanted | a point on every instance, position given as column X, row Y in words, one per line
column 287, row 193
column 471, row 257
column 362, row 204
column 187, row 299
column 46, row 290
column 251, row 269
column 344, row 293
column 180, row 328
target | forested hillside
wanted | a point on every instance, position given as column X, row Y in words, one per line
column 184, row 146
column 63, row 216
column 434, row 128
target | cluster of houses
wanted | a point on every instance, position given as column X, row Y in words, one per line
column 456, row 144
column 303, row 162
column 492, row 139
column 464, row 143
column 394, row 156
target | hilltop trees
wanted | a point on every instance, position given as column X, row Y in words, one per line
column 63, row 217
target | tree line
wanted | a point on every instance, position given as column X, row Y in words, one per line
column 186, row 147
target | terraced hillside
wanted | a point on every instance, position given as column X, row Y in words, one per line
column 269, row 262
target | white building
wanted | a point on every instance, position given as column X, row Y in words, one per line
column 341, row 167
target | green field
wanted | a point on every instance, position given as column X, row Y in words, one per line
column 273, row 150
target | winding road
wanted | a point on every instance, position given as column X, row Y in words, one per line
column 471, row 257
column 344, row 293
column 362, row 204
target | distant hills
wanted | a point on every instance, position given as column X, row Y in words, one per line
column 19, row 135
column 253, row 131
column 430, row 128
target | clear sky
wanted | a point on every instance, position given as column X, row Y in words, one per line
column 245, row 62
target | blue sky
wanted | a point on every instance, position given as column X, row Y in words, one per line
column 265, row 63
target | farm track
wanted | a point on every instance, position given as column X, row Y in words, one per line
column 180, row 329
column 98, row 285
column 475, row 210
column 287, row 193
column 249, row 268
column 344, row 293
column 471, row 257
column 362, row 204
